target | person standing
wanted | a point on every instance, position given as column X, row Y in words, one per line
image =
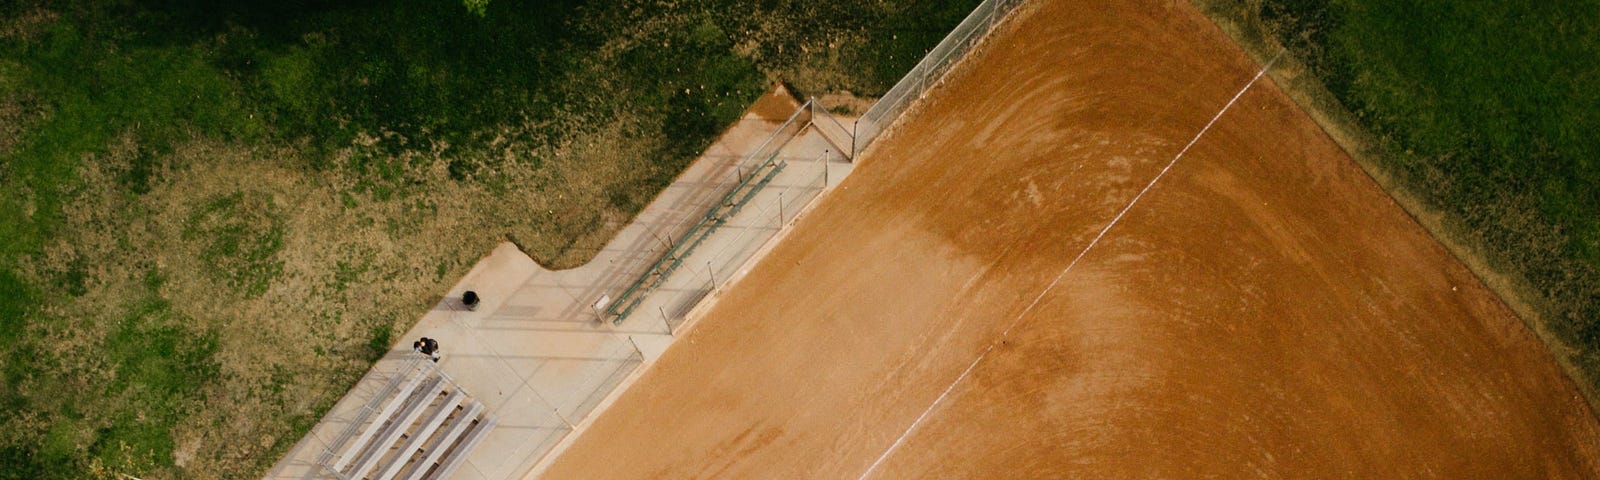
column 427, row 346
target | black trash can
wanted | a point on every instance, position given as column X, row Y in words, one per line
column 470, row 299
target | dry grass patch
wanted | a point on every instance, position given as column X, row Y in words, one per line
column 200, row 258
column 28, row 25
column 18, row 109
column 291, row 286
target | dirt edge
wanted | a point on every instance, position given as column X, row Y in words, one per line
column 774, row 107
column 1251, row 34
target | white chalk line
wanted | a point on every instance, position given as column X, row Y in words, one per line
column 1007, row 332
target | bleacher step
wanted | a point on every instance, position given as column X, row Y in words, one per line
column 400, row 425
column 415, row 438
column 436, row 447
column 458, row 454
column 360, row 444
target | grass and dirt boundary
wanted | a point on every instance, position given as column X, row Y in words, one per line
column 1472, row 117
column 214, row 217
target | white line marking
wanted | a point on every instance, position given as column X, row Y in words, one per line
column 1057, row 280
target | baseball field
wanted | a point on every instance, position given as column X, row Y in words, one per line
column 1106, row 247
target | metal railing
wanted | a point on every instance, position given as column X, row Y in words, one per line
column 368, row 410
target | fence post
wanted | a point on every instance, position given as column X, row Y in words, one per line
column 922, row 81
column 855, row 134
column 664, row 320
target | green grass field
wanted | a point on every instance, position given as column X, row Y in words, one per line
column 214, row 216
column 1484, row 114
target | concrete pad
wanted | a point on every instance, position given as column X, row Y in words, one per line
column 651, row 346
column 535, row 353
column 518, row 439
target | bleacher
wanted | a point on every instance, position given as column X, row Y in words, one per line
column 419, row 426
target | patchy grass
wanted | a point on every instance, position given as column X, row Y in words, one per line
column 1479, row 116
column 215, row 216
column 240, row 237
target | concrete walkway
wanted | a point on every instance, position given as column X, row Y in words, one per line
column 534, row 351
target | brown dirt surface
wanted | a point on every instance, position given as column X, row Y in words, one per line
column 1265, row 310
column 776, row 106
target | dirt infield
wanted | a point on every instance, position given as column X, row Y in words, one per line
column 1263, row 311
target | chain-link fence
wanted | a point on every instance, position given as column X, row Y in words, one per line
column 842, row 138
column 930, row 70
column 747, row 182
column 676, row 242
column 722, row 258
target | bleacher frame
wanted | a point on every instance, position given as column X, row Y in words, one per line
column 419, row 425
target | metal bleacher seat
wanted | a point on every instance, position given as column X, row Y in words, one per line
column 397, row 427
column 443, row 440
column 458, row 454
column 378, row 422
column 424, row 430
column 418, row 434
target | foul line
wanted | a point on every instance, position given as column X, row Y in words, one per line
column 1057, row 280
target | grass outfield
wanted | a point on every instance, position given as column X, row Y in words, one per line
column 213, row 217
column 1481, row 116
